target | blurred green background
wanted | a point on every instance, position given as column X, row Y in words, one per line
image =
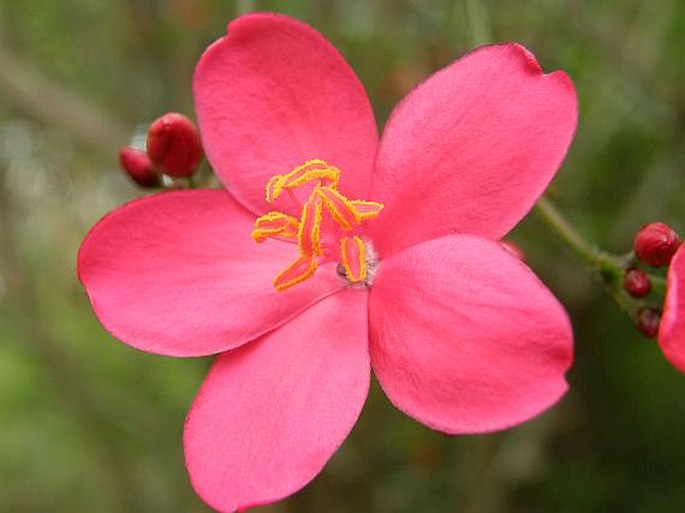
column 89, row 425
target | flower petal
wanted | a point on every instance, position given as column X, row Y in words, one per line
column 672, row 327
column 471, row 149
column 272, row 413
column 274, row 93
column 179, row 274
column 465, row 338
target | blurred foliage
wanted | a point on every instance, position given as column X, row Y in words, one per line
column 87, row 424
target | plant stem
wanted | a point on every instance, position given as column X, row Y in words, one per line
column 568, row 234
column 611, row 268
column 658, row 283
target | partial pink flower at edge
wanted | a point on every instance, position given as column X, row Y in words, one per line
column 461, row 335
column 671, row 335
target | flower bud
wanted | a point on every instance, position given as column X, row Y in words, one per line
column 173, row 144
column 656, row 243
column 136, row 164
column 647, row 322
column 636, row 282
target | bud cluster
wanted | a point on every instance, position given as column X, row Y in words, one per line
column 173, row 149
column 655, row 244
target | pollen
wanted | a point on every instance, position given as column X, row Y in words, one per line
column 327, row 229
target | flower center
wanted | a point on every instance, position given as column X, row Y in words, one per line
column 327, row 229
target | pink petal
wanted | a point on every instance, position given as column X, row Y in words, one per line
column 672, row 327
column 465, row 338
column 272, row 413
column 471, row 149
column 274, row 93
column 179, row 274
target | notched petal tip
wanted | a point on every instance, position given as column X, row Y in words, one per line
column 527, row 55
column 531, row 63
column 509, row 123
column 533, row 67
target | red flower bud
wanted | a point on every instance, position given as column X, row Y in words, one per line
column 656, row 243
column 138, row 167
column 636, row 282
column 174, row 146
column 647, row 322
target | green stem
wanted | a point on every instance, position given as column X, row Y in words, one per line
column 589, row 253
column 658, row 283
column 611, row 268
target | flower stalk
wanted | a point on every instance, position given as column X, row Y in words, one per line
column 571, row 238
column 610, row 267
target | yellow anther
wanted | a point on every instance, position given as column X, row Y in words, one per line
column 353, row 255
column 311, row 170
column 275, row 224
column 309, row 230
column 301, row 269
column 366, row 210
column 340, row 208
column 323, row 198
column 315, row 169
column 271, row 186
column 348, row 213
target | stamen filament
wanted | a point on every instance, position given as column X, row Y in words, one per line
column 293, row 197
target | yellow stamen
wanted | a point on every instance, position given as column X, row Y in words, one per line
column 353, row 254
column 270, row 186
column 274, row 224
column 339, row 207
column 348, row 213
column 301, row 269
column 311, row 170
column 366, row 210
column 324, row 198
column 309, row 230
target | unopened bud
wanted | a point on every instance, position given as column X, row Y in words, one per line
column 173, row 144
column 647, row 322
column 636, row 282
column 656, row 243
column 136, row 164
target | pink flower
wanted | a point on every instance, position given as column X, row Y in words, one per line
column 461, row 335
column 671, row 335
